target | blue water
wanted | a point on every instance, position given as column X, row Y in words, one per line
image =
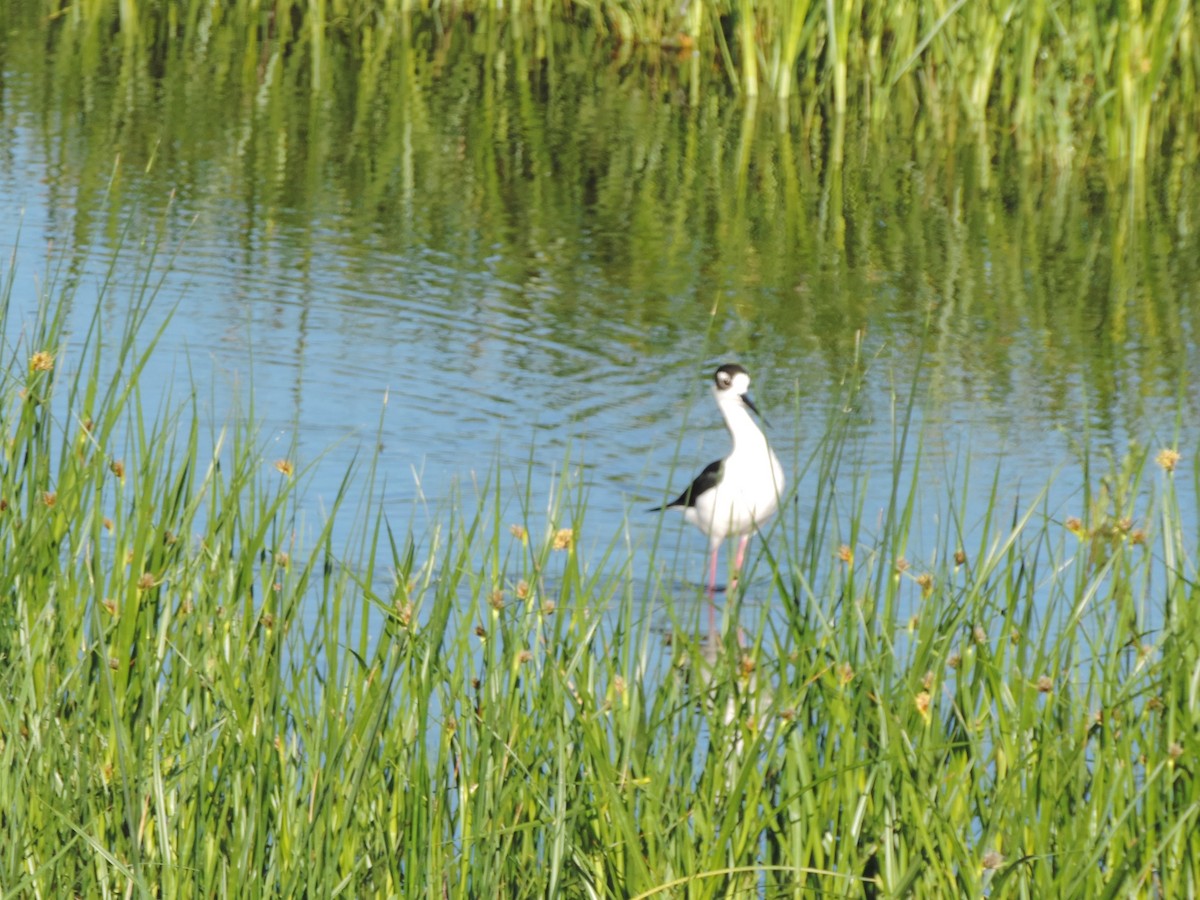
column 460, row 360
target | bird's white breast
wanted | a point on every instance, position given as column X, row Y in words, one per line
column 747, row 495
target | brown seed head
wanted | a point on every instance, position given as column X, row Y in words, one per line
column 1167, row 459
column 922, row 701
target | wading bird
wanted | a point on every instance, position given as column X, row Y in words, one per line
column 737, row 494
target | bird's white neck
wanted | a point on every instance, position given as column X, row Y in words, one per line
column 747, row 436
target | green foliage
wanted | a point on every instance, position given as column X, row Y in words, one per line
column 202, row 695
column 1061, row 78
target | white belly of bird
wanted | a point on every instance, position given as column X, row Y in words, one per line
column 742, row 502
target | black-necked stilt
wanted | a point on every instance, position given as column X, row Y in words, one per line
column 737, row 494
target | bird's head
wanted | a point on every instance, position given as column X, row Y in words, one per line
column 731, row 384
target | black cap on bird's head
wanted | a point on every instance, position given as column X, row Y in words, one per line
column 723, row 377
column 732, row 377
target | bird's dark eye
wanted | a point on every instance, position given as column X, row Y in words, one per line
column 723, row 380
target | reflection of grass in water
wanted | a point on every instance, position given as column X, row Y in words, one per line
column 1116, row 81
column 198, row 696
column 570, row 189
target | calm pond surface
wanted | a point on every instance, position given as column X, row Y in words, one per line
column 536, row 263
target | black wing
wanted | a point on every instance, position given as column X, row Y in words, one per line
column 705, row 481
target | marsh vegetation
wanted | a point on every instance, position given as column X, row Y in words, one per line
column 204, row 693
column 231, row 664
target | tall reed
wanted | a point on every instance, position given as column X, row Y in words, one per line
column 1116, row 81
column 207, row 693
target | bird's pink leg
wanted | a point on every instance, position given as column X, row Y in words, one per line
column 712, row 590
column 737, row 571
column 741, row 556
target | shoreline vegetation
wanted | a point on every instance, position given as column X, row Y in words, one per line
column 204, row 694
column 1080, row 81
column 204, row 691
